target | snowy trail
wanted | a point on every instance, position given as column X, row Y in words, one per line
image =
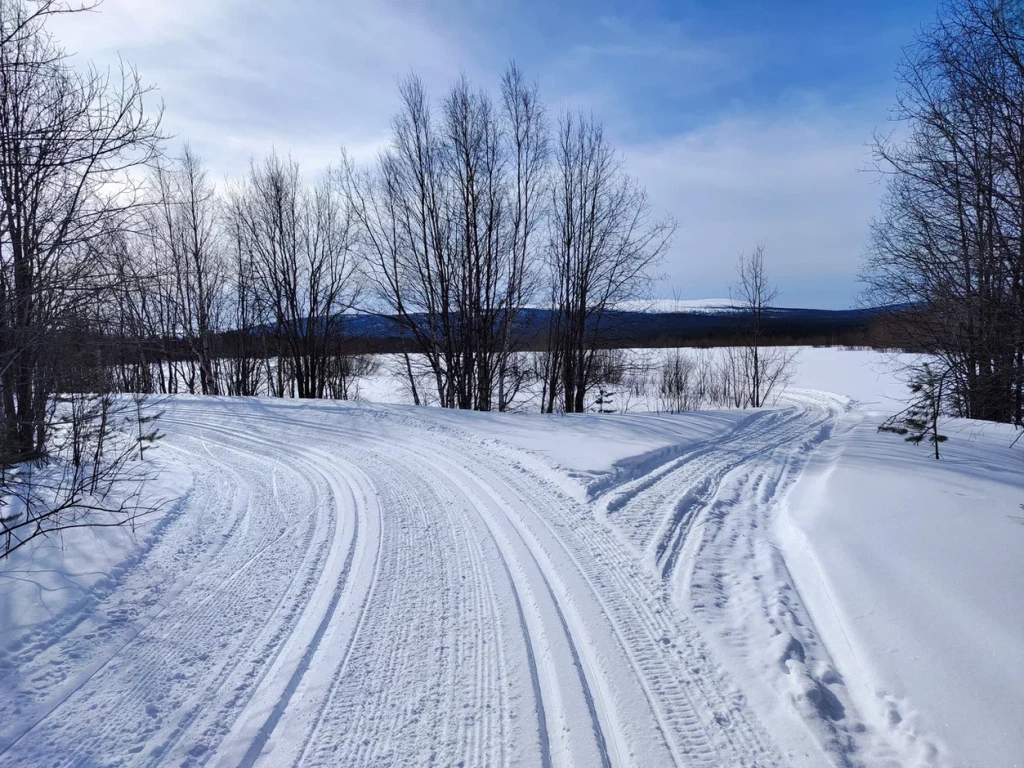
column 373, row 586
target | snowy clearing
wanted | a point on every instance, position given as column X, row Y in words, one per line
column 351, row 584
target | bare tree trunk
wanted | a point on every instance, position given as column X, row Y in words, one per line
column 603, row 244
column 765, row 370
column 70, row 142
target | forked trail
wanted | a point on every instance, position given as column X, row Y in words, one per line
column 350, row 586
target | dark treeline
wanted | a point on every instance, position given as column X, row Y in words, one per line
column 385, row 334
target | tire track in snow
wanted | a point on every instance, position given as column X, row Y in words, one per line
column 734, row 577
column 545, row 757
column 257, row 738
column 337, row 581
column 731, row 736
column 329, row 581
column 694, row 743
column 745, row 747
column 324, row 715
column 798, row 430
column 597, row 729
column 690, row 720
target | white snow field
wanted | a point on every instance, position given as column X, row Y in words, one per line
column 342, row 584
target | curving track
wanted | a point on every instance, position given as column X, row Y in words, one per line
column 364, row 586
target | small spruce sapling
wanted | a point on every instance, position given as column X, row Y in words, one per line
column 919, row 422
column 148, row 432
column 604, row 399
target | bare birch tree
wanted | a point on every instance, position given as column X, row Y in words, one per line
column 603, row 246
column 759, row 371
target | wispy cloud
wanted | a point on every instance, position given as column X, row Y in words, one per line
column 639, row 70
column 238, row 77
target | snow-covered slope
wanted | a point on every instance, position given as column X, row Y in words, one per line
column 347, row 584
column 678, row 305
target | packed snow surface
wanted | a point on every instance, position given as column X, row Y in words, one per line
column 348, row 584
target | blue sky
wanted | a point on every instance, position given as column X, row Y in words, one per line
column 746, row 121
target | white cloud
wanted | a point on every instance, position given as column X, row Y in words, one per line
column 238, row 77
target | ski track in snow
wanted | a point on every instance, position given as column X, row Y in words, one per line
column 362, row 586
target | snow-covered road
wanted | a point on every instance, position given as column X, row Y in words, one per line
column 354, row 585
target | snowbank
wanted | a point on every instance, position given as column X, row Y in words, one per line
column 872, row 379
column 912, row 571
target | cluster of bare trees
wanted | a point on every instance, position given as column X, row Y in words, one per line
column 70, row 141
column 749, row 374
column 167, row 284
column 949, row 244
column 678, row 380
column 240, row 291
column 691, row 380
column 295, row 279
column 448, row 226
column 471, row 214
column 125, row 271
